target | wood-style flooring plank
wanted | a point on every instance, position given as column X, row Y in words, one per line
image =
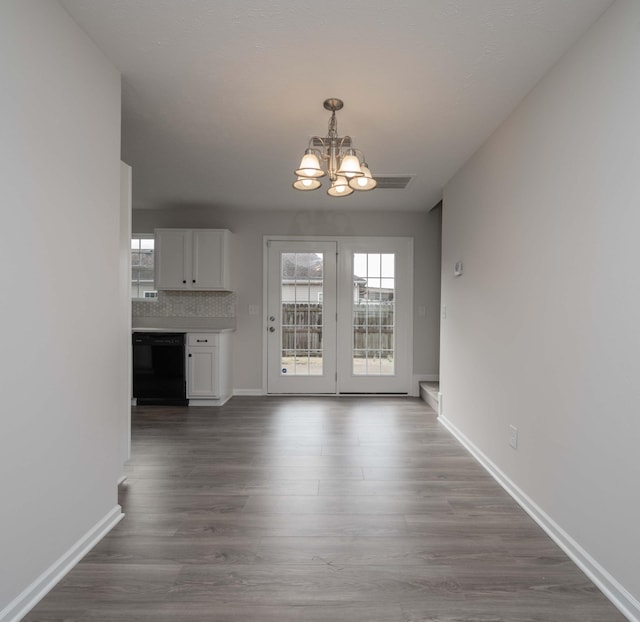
column 313, row 509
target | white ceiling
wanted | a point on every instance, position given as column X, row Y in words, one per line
column 220, row 97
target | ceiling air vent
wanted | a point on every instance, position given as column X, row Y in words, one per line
column 393, row 182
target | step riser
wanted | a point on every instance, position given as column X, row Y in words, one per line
column 430, row 396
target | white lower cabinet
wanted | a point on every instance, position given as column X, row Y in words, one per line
column 202, row 366
column 208, row 368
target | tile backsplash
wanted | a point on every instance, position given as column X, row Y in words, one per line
column 186, row 304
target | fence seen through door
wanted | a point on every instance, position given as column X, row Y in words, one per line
column 373, row 313
column 373, row 337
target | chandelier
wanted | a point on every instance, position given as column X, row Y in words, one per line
column 345, row 165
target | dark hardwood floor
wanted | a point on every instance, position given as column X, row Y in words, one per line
column 317, row 510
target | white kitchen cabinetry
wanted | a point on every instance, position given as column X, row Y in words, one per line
column 208, row 368
column 202, row 366
column 193, row 259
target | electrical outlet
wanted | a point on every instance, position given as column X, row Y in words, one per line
column 513, row 436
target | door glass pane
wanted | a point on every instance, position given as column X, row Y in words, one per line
column 301, row 314
column 373, row 314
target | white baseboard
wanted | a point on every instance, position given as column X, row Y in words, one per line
column 414, row 393
column 209, row 402
column 623, row 600
column 34, row 593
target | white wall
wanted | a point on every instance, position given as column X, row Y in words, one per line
column 542, row 330
column 60, row 180
column 250, row 226
column 124, row 314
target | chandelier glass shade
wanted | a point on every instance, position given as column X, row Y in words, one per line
column 306, row 183
column 340, row 187
column 310, row 165
column 345, row 165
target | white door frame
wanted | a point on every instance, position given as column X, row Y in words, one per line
column 344, row 242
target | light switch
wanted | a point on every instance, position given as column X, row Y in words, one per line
column 443, row 312
column 422, row 311
column 254, row 310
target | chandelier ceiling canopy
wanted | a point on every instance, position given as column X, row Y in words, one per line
column 345, row 165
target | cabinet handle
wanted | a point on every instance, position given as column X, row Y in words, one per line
column 184, row 280
column 193, row 281
column 202, row 340
column 189, row 354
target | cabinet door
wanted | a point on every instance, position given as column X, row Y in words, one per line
column 210, row 260
column 202, row 363
column 173, row 259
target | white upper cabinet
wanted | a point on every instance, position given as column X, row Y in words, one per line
column 173, row 259
column 194, row 259
column 211, row 259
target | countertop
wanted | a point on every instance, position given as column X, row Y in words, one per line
column 183, row 324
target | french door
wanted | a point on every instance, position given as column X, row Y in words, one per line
column 375, row 319
column 301, row 317
column 339, row 315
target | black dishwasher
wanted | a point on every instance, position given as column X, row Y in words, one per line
column 159, row 368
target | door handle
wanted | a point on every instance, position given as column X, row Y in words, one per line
column 272, row 329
